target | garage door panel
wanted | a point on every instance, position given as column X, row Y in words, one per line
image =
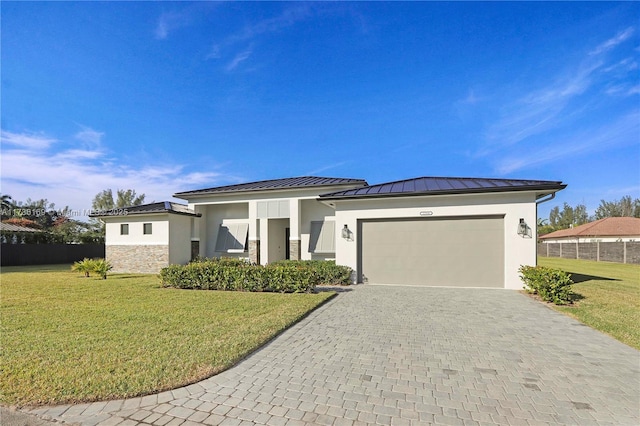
column 434, row 252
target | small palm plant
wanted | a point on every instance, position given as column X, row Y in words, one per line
column 101, row 267
column 85, row 266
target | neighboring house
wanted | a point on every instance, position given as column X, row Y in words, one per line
column 468, row 232
column 15, row 234
column 609, row 229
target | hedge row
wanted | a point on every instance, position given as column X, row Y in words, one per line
column 239, row 275
column 552, row 285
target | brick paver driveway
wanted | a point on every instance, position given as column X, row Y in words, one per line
column 404, row 355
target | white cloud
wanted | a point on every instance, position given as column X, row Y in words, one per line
column 169, row 21
column 73, row 176
column 89, row 136
column 613, row 42
column 622, row 132
column 26, row 140
column 531, row 116
column 290, row 16
column 327, row 167
column 239, row 58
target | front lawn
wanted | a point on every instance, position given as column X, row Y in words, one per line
column 70, row 339
column 611, row 296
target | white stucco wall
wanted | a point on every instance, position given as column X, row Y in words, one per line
column 159, row 235
column 180, row 238
column 213, row 216
column 518, row 250
column 313, row 210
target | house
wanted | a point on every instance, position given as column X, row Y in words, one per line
column 15, row 234
column 609, row 229
column 436, row 231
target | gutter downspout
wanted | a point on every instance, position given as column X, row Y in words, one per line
column 544, row 200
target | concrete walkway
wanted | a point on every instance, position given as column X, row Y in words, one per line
column 405, row 355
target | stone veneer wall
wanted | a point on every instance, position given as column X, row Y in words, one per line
column 294, row 249
column 146, row 259
column 254, row 251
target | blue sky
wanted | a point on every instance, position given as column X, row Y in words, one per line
column 163, row 97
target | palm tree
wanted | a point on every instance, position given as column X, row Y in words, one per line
column 7, row 206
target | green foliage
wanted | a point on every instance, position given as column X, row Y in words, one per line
column 625, row 207
column 552, row 285
column 124, row 198
column 86, row 266
column 239, row 275
column 101, row 267
column 327, row 272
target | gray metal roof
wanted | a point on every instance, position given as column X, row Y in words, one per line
column 274, row 184
column 445, row 185
column 9, row 227
column 160, row 207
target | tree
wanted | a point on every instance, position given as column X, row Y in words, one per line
column 7, row 205
column 624, row 207
column 568, row 216
column 124, row 198
column 103, row 201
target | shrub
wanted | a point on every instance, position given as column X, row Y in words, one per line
column 86, row 266
column 240, row 275
column 552, row 285
column 101, row 267
column 326, row 271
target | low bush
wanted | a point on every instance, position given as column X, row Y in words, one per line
column 552, row 285
column 239, row 275
column 86, row 266
column 326, row 271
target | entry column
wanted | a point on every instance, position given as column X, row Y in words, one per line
column 294, row 229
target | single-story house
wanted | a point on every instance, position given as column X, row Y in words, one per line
column 434, row 231
column 609, row 229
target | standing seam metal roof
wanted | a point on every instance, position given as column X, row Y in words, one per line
column 445, row 185
column 274, row 184
column 159, row 207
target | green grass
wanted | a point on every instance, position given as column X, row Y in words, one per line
column 70, row 339
column 611, row 296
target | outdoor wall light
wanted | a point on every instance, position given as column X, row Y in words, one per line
column 523, row 229
column 346, row 234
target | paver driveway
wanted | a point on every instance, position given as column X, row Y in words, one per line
column 405, row 355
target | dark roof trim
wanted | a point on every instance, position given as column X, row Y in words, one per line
column 426, row 186
column 301, row 182
column 152, row 208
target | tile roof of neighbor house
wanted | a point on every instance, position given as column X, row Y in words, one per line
column 446, row 185
column 9, row 227
column 607, row 227
column 160, row 207
column 274, row 184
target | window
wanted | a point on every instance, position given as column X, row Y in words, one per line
column 232, row 237
column 146, row 229
column 124, row 229
column 323, row 237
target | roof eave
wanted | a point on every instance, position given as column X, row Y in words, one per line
column 147, row 213
column 547, row 189
column 189, row 194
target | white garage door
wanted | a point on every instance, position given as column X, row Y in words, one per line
column 460, row 252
